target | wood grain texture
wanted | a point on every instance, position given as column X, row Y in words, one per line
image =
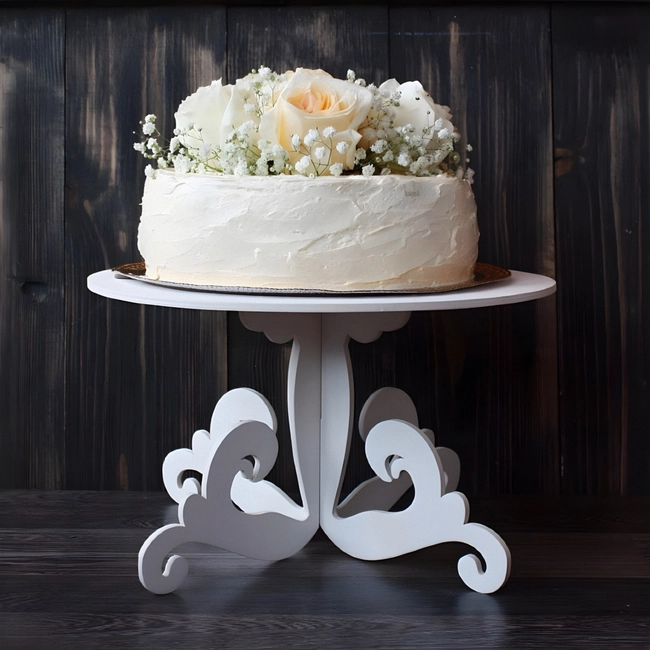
column 139, row 380
column 90, row 510
column 601, row 62
column 65, row 584
column 31, row 248
column 94, row 393
column 492, row 373
column 284, row 38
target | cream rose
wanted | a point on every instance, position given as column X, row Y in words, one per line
column 418, row 109
column 314, row 100
column 216, row 109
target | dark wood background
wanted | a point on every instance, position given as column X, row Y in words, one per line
column 548, row 397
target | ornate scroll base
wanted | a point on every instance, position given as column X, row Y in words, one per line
column 233, row 507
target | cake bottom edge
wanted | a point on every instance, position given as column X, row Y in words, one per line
column 483, row 273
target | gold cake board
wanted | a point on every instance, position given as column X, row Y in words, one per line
column 483, row 274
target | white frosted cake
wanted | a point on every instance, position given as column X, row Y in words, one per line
column 303, row 181
column 350, row 233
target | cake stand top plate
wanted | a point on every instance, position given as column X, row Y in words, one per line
column 519, row 287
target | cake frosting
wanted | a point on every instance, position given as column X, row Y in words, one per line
column 344, row 233
column 303, row 181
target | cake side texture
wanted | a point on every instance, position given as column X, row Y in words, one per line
column 347, row 233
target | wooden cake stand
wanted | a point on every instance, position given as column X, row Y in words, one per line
column 235, row 508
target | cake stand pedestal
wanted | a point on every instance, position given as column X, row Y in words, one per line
column 235, row 508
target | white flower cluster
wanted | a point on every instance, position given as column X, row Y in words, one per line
column 316, row 151
column 406, row 133
column 309, row 123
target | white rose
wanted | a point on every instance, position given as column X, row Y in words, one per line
column 313, row 99
column 418, row 109
column 216, row 109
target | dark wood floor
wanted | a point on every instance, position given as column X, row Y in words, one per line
column 68, row 579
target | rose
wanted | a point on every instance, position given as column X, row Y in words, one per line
column 415, row 108
column 418, row 109
column 312, row 101
column 216, row 109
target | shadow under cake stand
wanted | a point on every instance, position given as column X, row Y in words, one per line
column 235, row 508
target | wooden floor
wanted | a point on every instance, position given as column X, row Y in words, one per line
column 68, row 579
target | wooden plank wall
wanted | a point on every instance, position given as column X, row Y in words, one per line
column 540, row 398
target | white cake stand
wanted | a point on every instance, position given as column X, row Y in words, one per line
column 234, row 508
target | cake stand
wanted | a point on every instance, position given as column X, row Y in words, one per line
column 235, row 508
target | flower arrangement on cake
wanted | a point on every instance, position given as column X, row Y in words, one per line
column 300, row 181
column 306, row 122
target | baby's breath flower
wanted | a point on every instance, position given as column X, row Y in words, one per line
column 295, row 141
column 174, row 144
column 241, row 169
column 151, row 143
column 351, row 76
column 245, row 128
column 404, row 160
column 148, row 128
column 182, row 164
column 368, row 170
column 149, row 172
column 320, row 153
column 416, row 166
column 250, row 108
column 150, row 118
column 303, row 163
column 139, row 146
column 469, row 147
column 342, row 147
column 311, row 137
column 278, row 152
column 336, row 169
column 379, row 146
column 359, row 155
column 329, row 131
column 443, row 134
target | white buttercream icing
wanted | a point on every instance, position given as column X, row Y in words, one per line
column 334, row 233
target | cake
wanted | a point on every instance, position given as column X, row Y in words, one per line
column 303, row 181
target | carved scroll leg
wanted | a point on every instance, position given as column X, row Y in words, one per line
column 234, row 459
column 152, row 556
column 236, row 406
column 396, row 448
column 375, row 494
column 450, row 516
column 212, row 518
column 496, row 555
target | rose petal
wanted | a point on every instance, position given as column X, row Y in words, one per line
column 205, row 108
